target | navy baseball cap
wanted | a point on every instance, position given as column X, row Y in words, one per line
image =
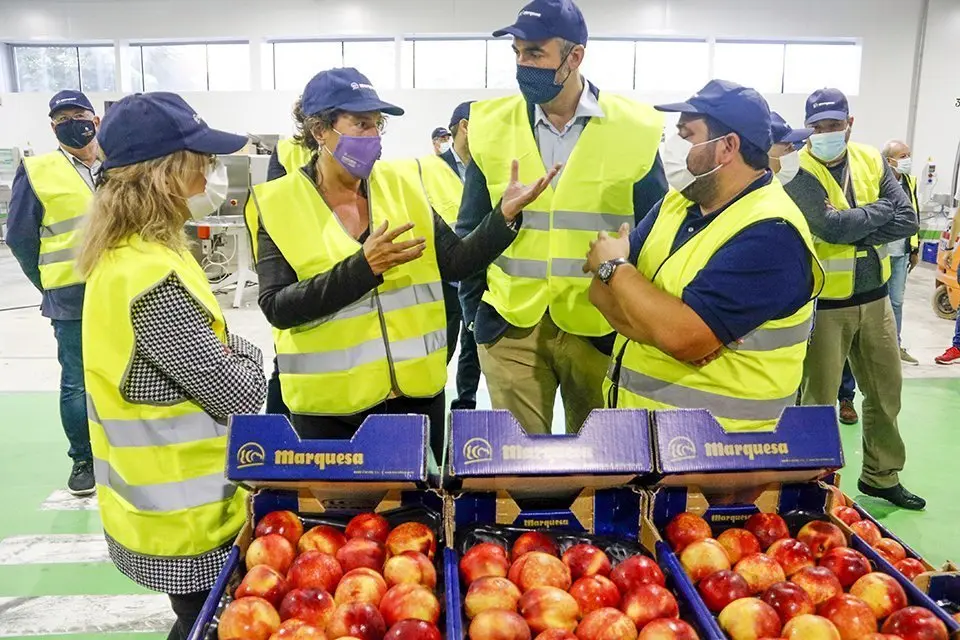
column 69, row 99
column 439, row 132
column 545, row 19
column 344, row 88
column 741, row 108
column 146, row 126
column 462, row 112
column 782, row 132
column 827, row 104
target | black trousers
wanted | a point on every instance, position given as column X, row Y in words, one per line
column 468, row 364
column 330, row 427
column 187, row 609
column 275, row 403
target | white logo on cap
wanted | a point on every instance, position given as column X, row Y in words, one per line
column 532, row 14
column 817, row 105
column 62, row 100
column 356, row 86
column 197, row 118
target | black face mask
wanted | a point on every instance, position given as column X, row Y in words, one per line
column 76, row 134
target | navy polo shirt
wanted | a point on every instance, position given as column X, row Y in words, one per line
column 763, row 273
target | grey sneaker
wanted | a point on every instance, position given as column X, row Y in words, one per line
column 82, row 482
column 909, row 359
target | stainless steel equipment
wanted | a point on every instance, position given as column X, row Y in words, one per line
column 238, row 175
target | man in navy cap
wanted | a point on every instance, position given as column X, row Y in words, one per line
column 47, row 208
column 440, row 137
column 717, row 311
column 855, row 206
column 530, row 312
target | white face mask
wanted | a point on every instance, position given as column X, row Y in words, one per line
column 904, row 166
column 214, row 194
column 445, row 146
column 674, row 156
column 789, row 167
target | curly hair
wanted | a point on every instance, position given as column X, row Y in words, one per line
column 306, row 125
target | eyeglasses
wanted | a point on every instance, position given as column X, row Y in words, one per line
column 62, row 117
column 366, row 124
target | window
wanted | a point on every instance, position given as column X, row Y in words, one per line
column 376, row 59
column 50, row 69
column 808, row 67
column 671, row 66
column 449, row 64
column 406, row 64
column 609, row 63
column 753, row 64
column 501, row 64
column 191, row 67
column 294, row 63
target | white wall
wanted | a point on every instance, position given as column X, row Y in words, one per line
column 938, row 115
column 886, row 28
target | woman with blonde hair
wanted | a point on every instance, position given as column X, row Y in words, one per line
column 162, row 372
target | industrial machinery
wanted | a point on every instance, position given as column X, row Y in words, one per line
column 10, row 159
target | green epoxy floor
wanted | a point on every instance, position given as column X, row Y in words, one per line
column 32, row 467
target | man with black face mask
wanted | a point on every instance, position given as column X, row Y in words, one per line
column 534, row 325
column 50, row 196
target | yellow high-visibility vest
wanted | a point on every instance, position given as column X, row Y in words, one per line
column 866, row 167
column 159, row 468
column 750, row 384
column 912, row 184
column 541, row 270
column 443, row 187
column 292, row 155
column 392, row 341
column 65, row 198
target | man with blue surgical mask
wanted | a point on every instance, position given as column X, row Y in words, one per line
column 530, row 312
column 855, row 206
column 47, row 209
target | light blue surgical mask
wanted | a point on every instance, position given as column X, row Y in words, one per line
column 827, row 147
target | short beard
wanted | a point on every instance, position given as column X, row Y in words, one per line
column 703, row 190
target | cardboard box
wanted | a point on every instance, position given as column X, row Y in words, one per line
column 584, row 484
column 497, row 473
column 727, row 477
column 383, row 468
column 943, row 587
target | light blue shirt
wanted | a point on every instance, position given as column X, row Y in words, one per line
column 555, row 145
column 461, row 167
column 88, row 174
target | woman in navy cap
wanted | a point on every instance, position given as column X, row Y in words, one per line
column 162, row 372
column 350, row 262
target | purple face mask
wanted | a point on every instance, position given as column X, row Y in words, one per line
column 357, row 154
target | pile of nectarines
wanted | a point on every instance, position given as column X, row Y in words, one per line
column 888, row 548
column 368, row 582
column 535, row 591
column 765, row 584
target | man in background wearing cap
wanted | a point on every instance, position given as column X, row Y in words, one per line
column 855, row 206
column 48, row 205
column 440, row 137
column 725, row 274
column 530, row 313
column 442, row 178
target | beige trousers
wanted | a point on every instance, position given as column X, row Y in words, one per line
column 525, row 366
column 867, row 335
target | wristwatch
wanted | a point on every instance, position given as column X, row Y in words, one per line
column 606, row 269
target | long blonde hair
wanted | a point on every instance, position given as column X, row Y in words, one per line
column 146, row 199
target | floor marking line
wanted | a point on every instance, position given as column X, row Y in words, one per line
column 53, row 615
column 54, row 549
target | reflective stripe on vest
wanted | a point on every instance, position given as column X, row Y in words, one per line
column 542, row 268
column 156, row 466
column 393, row 339
column 443, row 187
column 65, row 198
column 866, row 168
column 751, row 382
column 915, row 201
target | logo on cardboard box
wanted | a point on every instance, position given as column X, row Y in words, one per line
column 477, row 450
column 251, row 454
column 681, row 448
column 749, row 451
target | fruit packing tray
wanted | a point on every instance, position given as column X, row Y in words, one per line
column 616, row 548
column 266, row 501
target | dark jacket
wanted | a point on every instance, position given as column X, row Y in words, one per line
column 486, row 323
